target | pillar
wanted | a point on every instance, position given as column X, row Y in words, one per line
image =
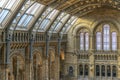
column 91, row 58
column 100, row 72
column 83, row 70
column 105, row 72
column 111, row 72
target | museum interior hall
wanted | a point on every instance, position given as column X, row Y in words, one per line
column 59, row 39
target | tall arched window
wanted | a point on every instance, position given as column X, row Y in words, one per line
column 81, row 41
column 106, row 37
column 86, row 41
column 114, row 41
column 98, row 40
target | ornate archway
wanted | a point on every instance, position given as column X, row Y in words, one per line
column 52, row 64
column 37, row 66
column 17, row 67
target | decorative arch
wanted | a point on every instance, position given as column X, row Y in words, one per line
column 52, row 63
column 106, row 20
column 17, row 54
column 17, row 66
column 37, row 65
column 80, row 26
column 52, row 54
column 38, row 54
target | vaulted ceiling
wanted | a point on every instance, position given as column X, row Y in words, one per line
column 80, row 7
column 48, row 15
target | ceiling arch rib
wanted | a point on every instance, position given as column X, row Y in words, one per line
column 46, row 22
column 70, row 5
column 7, row 9
column 28, row 15
column 70, row 24
column 67, row 22
column 64, row 24
column 43, row 19
column 37, row 19
column 16, row 20
column 61, row 19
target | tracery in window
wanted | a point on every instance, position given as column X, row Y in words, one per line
column 84, row 40
column 106, row 39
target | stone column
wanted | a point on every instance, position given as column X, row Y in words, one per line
column 106, row 72
column 111, row 72
column 83, row 71
column 118, row 58
column 28, row 70
column 91, row 72
column 57, row 68
column 100, row 72
column 45, row 69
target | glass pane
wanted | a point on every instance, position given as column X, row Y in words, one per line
column 86, row 41
column 33, row 8
column 58, row 26
column 64, row 18
column 22, row 19
column 106, row 37
column 27, row 20
column 3, row 15
column 98, row 40
column 114, row 41
column 2, row 2
column 73, row 21
column 10, row 4
column 81, row 41
column 44, row 24
column 52, row 14
column 47, row 11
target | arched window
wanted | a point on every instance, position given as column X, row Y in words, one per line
column 81, row 69
column 71, row 71
column 97, row 70
column 86, row 70
column 103, row 70
column 114, row 41
column 81, row 41
column 114, row 71
column 98, row 40
column 86, row 41
column 108, row 71
column 106, row 37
